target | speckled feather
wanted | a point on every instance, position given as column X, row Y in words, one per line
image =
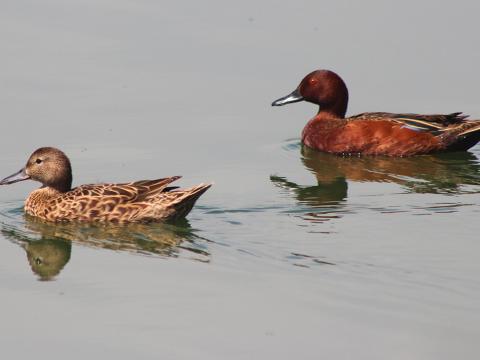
column 140, row 201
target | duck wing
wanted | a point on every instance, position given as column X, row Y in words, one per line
column 455, row 131
column 126, row 192
column 430, row 122
column 139, row 201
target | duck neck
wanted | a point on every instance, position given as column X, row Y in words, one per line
column 336, row 109
column 61, row 188
column 62, row 184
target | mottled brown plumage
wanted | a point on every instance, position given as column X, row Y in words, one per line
column 140, row 201
column 375, row 133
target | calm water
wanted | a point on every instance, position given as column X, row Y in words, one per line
column 292, row 253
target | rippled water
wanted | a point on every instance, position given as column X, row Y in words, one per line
column 330, row 193
column 292, row 253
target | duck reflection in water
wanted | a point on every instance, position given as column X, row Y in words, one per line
column 439, row 173
column 47, row 257
column 48, row 246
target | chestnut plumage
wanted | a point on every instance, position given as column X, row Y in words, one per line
column 376, row 133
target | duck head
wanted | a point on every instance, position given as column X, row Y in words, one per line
column 321, row 87
column 47, row 165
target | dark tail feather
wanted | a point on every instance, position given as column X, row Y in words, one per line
column 184, row 204
column 465, row 140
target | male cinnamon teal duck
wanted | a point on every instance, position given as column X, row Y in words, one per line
column 377, row 133
column 140, row 201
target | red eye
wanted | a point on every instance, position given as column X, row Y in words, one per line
column 312, row 81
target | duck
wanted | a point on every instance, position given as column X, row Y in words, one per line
column 375, row 133
column 140, row 201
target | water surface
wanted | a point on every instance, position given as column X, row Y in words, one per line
column 292, row 253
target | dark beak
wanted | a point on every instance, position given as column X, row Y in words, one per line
column 18, row 176
column 290, row 98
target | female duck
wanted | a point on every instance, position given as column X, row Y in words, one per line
column 140, row 201
column 375, row 133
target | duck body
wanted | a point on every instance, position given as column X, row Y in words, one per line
column 347, row 137
column 140, row 201
column 376, row 133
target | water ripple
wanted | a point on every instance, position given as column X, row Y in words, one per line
column 48, row 246
column 330, row 197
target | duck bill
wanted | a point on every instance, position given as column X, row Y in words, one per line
column 293, row 97
column 18, row 176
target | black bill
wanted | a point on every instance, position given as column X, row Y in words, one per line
column 290, row 98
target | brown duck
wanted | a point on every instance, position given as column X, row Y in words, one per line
column 139, row 201
column 375, row 133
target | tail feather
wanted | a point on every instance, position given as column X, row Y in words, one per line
column 473, row 129
column 151, row 188
column 463, row 138
column 184, row 203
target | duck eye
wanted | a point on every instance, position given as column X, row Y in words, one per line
column 38, row 261
column 38, row 161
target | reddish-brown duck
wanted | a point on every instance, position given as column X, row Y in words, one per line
column 376, row 133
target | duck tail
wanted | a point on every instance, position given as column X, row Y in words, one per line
column 462, row 138
column 184, row 203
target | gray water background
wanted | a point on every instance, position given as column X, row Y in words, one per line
column 289, row 255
